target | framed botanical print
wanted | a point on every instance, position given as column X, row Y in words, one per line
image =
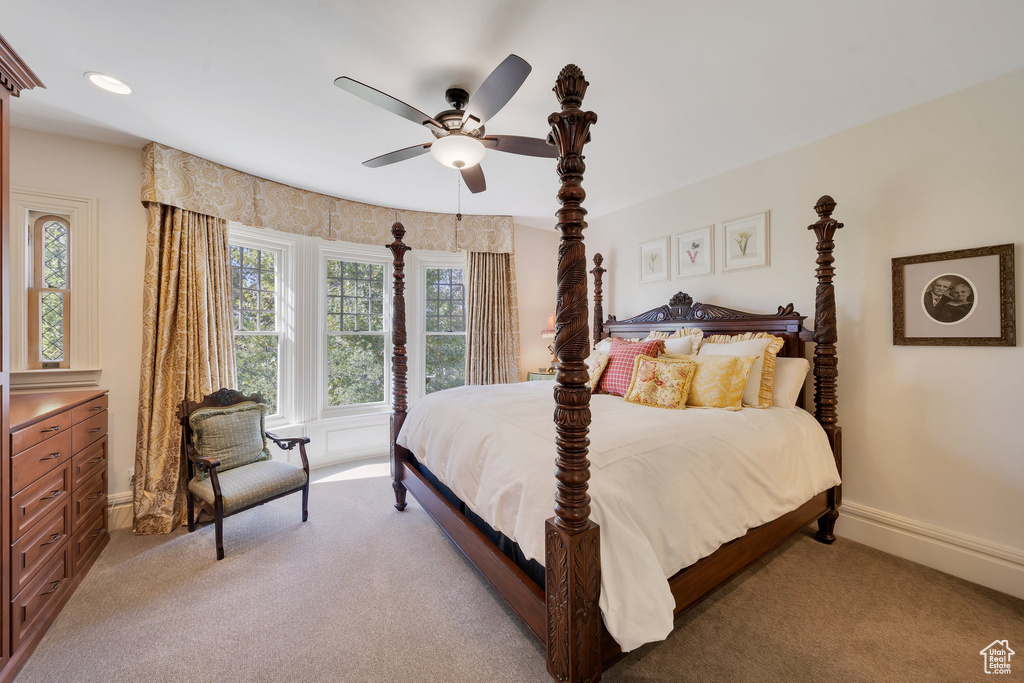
column 694, row 252
column 954, row 298
column 654, row 260
column 745, row 242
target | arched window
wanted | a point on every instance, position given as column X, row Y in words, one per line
column 49, row 296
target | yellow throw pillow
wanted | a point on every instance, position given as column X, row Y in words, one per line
column 719, row 381
column 661, row 382
column 694, row 333
column 597, row 361
column 758, row 393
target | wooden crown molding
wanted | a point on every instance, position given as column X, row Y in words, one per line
column 15, row 75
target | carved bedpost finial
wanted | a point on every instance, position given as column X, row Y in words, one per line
column 399, row 361
column 826, row 360
column 572, row 540
column 598, row 272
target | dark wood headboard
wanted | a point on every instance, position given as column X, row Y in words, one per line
column 682, row 311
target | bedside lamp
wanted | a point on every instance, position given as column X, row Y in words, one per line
column 549, row 333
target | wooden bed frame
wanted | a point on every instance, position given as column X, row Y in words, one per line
column 565, row 616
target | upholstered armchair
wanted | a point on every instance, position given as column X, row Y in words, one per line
column 229, row 467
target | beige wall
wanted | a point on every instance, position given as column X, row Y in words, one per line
column 933, row 436
column 536, row 260
column 111, row 174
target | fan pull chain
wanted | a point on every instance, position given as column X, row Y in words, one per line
column 458, row 215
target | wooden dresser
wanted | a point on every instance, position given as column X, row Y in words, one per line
column 58, row 505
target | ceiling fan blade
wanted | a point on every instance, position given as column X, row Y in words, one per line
column 385, row 101
column 474, row 178
column 517, row 144
column 398, row 155
column 495, row 92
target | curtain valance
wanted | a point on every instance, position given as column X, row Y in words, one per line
column 176, row 178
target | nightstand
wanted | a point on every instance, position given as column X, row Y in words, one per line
column 535, row 376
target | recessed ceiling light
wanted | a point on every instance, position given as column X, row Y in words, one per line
column 108, row 83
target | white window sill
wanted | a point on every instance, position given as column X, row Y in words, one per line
column 65, row 378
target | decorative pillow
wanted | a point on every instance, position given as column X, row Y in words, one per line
column 758, row 393
column 681, row 333
column 234, row 434
column 658, row 334
column 718, row 381
column 789, row 380
column 618, row 375
column 681, row 346
column 596, row 363
column 605, row 345
column 661, row 382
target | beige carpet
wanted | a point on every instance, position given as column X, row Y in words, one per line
column 363, row 593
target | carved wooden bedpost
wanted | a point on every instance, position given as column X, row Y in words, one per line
column 399, row 363
column 826, row 361
column 572, row 541
column 598, row 272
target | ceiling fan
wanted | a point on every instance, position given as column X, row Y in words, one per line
column 461, row 143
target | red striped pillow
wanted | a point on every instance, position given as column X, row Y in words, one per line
column 618, row 374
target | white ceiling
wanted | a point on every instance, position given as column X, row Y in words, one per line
column 684, row 90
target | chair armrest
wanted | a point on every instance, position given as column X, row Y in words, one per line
column 288, row 443
column 206, row 463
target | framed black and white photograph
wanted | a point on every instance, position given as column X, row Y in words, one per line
column 695, row 252
column 745, row 242
column 954, row 298
column 654, row 260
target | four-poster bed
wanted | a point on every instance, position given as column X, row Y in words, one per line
column 560, row 606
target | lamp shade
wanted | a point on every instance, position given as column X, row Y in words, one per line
column 549, row 331
column 458, row 151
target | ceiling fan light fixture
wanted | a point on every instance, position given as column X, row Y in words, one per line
column 108, row 83
column 458, row 151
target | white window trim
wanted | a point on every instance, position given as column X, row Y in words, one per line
column 286, row 248
column 417, row 322
column 85, row 325
column 379, row 256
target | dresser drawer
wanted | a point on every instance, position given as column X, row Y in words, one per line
column 38, row 545
column 87, row 410
column 33, row 434
column 88, row 431
column 33, row 463
column 37, row 500
column 89, row 538
column 38, row 598
column 88, row 462
column 88, row 497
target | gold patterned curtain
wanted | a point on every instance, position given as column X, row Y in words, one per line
column 492, row 325
column 187, row 351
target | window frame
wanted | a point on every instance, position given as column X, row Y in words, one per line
column 37, row 289
column 360, row 254
column 286, row 250
column 418, row 361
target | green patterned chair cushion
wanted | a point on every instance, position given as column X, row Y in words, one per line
column 234, row 434
column 244, row 486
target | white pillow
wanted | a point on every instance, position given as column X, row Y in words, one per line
column 789, row 380
column 604, row 346
column 748, row 347
column 680, row 346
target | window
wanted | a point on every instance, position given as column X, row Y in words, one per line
column 445, row 313
column 256, row 305
column 356, row 333
column 49, row 294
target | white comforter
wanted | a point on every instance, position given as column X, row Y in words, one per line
column 668, row 487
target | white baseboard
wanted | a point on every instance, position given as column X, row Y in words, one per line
column 989, row 564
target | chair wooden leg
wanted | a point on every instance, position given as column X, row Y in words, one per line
column 305, row 500
column 191, row 512
column 220, row 533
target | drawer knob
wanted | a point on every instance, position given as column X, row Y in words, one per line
column 53, row 494
column 95, row 495
column 96, row 408
column 51, row 456
column 56, row 585
column 96, row 533
column 53, row 539
column 95, row 461
column 95, row 429
column 54, row 428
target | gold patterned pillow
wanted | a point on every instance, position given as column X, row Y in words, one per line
column 758, row 393
column 597, row 361
column 661, row 382
column 718, row 381
column 234, row 434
